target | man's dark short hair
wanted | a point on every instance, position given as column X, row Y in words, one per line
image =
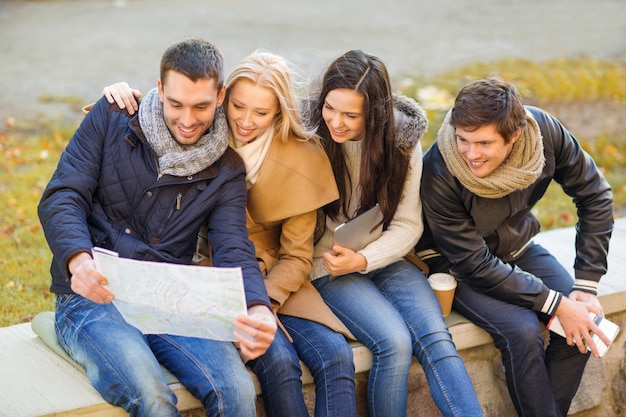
column 194, row 58
column 489, row 101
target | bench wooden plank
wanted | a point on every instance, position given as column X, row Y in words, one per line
column 37, row 382
column 34, row 381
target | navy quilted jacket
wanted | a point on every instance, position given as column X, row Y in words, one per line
column 106, row 192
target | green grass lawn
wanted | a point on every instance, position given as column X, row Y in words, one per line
column 29, row 154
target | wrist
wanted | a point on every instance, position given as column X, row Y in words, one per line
column 261, row 309
column 563, row 305
column 362, row 262
column 77, row 261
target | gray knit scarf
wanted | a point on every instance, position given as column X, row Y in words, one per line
column 174, row 158
column 523, row 166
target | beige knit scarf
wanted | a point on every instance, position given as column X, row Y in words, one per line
column 523, row 166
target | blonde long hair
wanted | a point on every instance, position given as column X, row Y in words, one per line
column 275, row 73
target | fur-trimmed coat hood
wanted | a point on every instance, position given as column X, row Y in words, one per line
column 411, row 121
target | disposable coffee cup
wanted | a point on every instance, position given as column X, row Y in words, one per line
column 444, row 286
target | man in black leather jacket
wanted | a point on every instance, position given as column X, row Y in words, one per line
column 493, row 160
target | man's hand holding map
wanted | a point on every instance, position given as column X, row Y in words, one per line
column 186, row 300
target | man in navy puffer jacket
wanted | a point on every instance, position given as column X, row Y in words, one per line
column 143, row 186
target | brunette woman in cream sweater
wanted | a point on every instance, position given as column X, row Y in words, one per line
column 372, row 140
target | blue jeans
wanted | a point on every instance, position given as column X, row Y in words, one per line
column 540, row 382
column 328, row 356
column 394, row 312
column 123, row 364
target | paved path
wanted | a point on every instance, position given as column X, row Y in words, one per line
column 73, row 48
column 560, row 242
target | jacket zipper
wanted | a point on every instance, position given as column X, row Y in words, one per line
column 176, row 207
column 179, row 198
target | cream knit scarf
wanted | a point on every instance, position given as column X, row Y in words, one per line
column 174, row 158
column 253, row 153
column 519, row 171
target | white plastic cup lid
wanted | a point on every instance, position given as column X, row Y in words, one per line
column 442, row 281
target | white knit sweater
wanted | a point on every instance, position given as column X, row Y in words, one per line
column 405, row 228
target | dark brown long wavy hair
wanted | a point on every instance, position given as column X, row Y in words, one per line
column 383, row 165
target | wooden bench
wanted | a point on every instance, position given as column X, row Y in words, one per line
column 36, row 381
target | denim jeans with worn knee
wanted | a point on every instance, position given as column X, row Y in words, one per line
column 540, row 382
column 124, row 365
column 328, row 356
column 394, row 312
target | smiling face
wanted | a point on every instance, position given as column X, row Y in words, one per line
column 483, row 149
column 251, row 110
column 343, row 114
column 188, row 106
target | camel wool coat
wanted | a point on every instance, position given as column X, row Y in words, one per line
column 294, row 181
